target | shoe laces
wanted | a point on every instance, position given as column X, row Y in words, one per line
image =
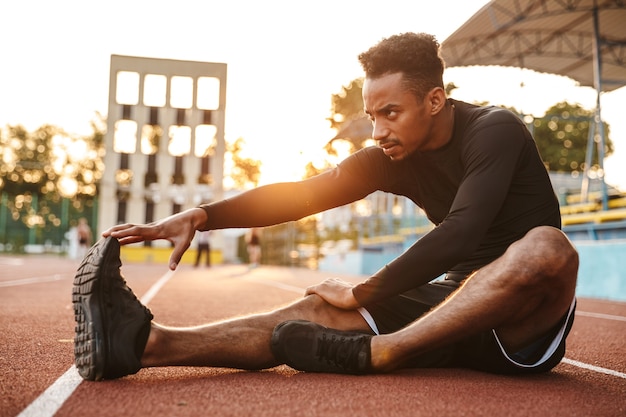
column 122, row 293
column 340, row 350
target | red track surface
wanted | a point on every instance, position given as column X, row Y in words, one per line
column 37, row 327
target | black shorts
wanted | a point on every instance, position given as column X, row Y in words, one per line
column 483, row 351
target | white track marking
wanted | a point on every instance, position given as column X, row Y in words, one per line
column 34, row 280
column 280, row 285
column 11, row 261
column 49, row 402
column 594, row 368
column 149, row 295
column 600, row 316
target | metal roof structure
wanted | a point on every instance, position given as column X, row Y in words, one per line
column 565, row 37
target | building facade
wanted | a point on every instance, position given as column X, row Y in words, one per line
column 165, row 138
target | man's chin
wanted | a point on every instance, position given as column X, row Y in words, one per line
column 398, row 156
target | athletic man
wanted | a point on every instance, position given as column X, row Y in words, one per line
column 506, row 303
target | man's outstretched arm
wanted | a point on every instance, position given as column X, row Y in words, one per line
column 263, row 206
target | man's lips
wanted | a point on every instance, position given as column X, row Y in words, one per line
column 388, row 150
column 388, row 147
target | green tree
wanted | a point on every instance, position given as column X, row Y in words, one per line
column 51, row 161
column 347, row 104
column 27, row 159
column 244, row 172
column 46, row 177
column 348, row 119
column 562, row 136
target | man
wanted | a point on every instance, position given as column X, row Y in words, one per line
column 253, row 240
column 203, row 247
column 506, row 303
column 83, row 232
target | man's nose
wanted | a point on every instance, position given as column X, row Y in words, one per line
column 379, row 131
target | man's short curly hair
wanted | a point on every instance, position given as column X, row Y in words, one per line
column 416, row 55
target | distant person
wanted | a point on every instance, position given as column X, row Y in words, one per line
column 507, row 298
column 203, row 247
column 253, row 244
column 72, row 240
column 84, row 235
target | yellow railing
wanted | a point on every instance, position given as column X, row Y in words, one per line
column 161, row 255
column 592, row 212
column 594, row 217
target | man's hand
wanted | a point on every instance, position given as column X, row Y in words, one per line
column 336, row 292
column 178, row 229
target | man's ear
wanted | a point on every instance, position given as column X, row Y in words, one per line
column 437, row 100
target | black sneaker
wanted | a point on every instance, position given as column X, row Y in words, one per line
column 311, row 347
column 112, row 326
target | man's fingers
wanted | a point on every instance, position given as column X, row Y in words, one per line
column 177, row 254
column 117, row 229
column 130, row 239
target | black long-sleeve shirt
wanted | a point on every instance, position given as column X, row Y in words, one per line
column 483, row 190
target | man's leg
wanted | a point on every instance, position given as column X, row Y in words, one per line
column 522, row 295
column 198, row 255
column 115, row 335
column 243, row 342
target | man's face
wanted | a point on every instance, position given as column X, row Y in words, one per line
column 402, row 124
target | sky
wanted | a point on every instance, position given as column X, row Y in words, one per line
column 285, row 59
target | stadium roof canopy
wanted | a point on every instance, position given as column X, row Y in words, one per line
column 573, row 38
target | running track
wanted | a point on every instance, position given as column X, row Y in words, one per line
column 37, row 377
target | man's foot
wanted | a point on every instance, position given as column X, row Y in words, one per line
column 112, row 326
column 311, row 347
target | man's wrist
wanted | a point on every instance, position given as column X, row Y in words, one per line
column 356, row 302
column 200, row 218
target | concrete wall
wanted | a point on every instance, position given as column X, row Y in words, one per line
column 602, row 271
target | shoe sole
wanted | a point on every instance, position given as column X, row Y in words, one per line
column 88, row 295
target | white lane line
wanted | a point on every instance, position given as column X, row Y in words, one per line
column 600, row 316
column 49, row 402
column 280, row 285
column 594, row 368
column 34, row 280
column 11, row 261
column 149, row 295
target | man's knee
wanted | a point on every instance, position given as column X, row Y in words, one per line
column 543, row 269
column 548, row 252
column 314, row 308
column 544, row 263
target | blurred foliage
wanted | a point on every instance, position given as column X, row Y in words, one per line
column 244, row 172
column 562, row 136
column 49, row 161
column 46, row 176
column 26, row 159
column 347, row 104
